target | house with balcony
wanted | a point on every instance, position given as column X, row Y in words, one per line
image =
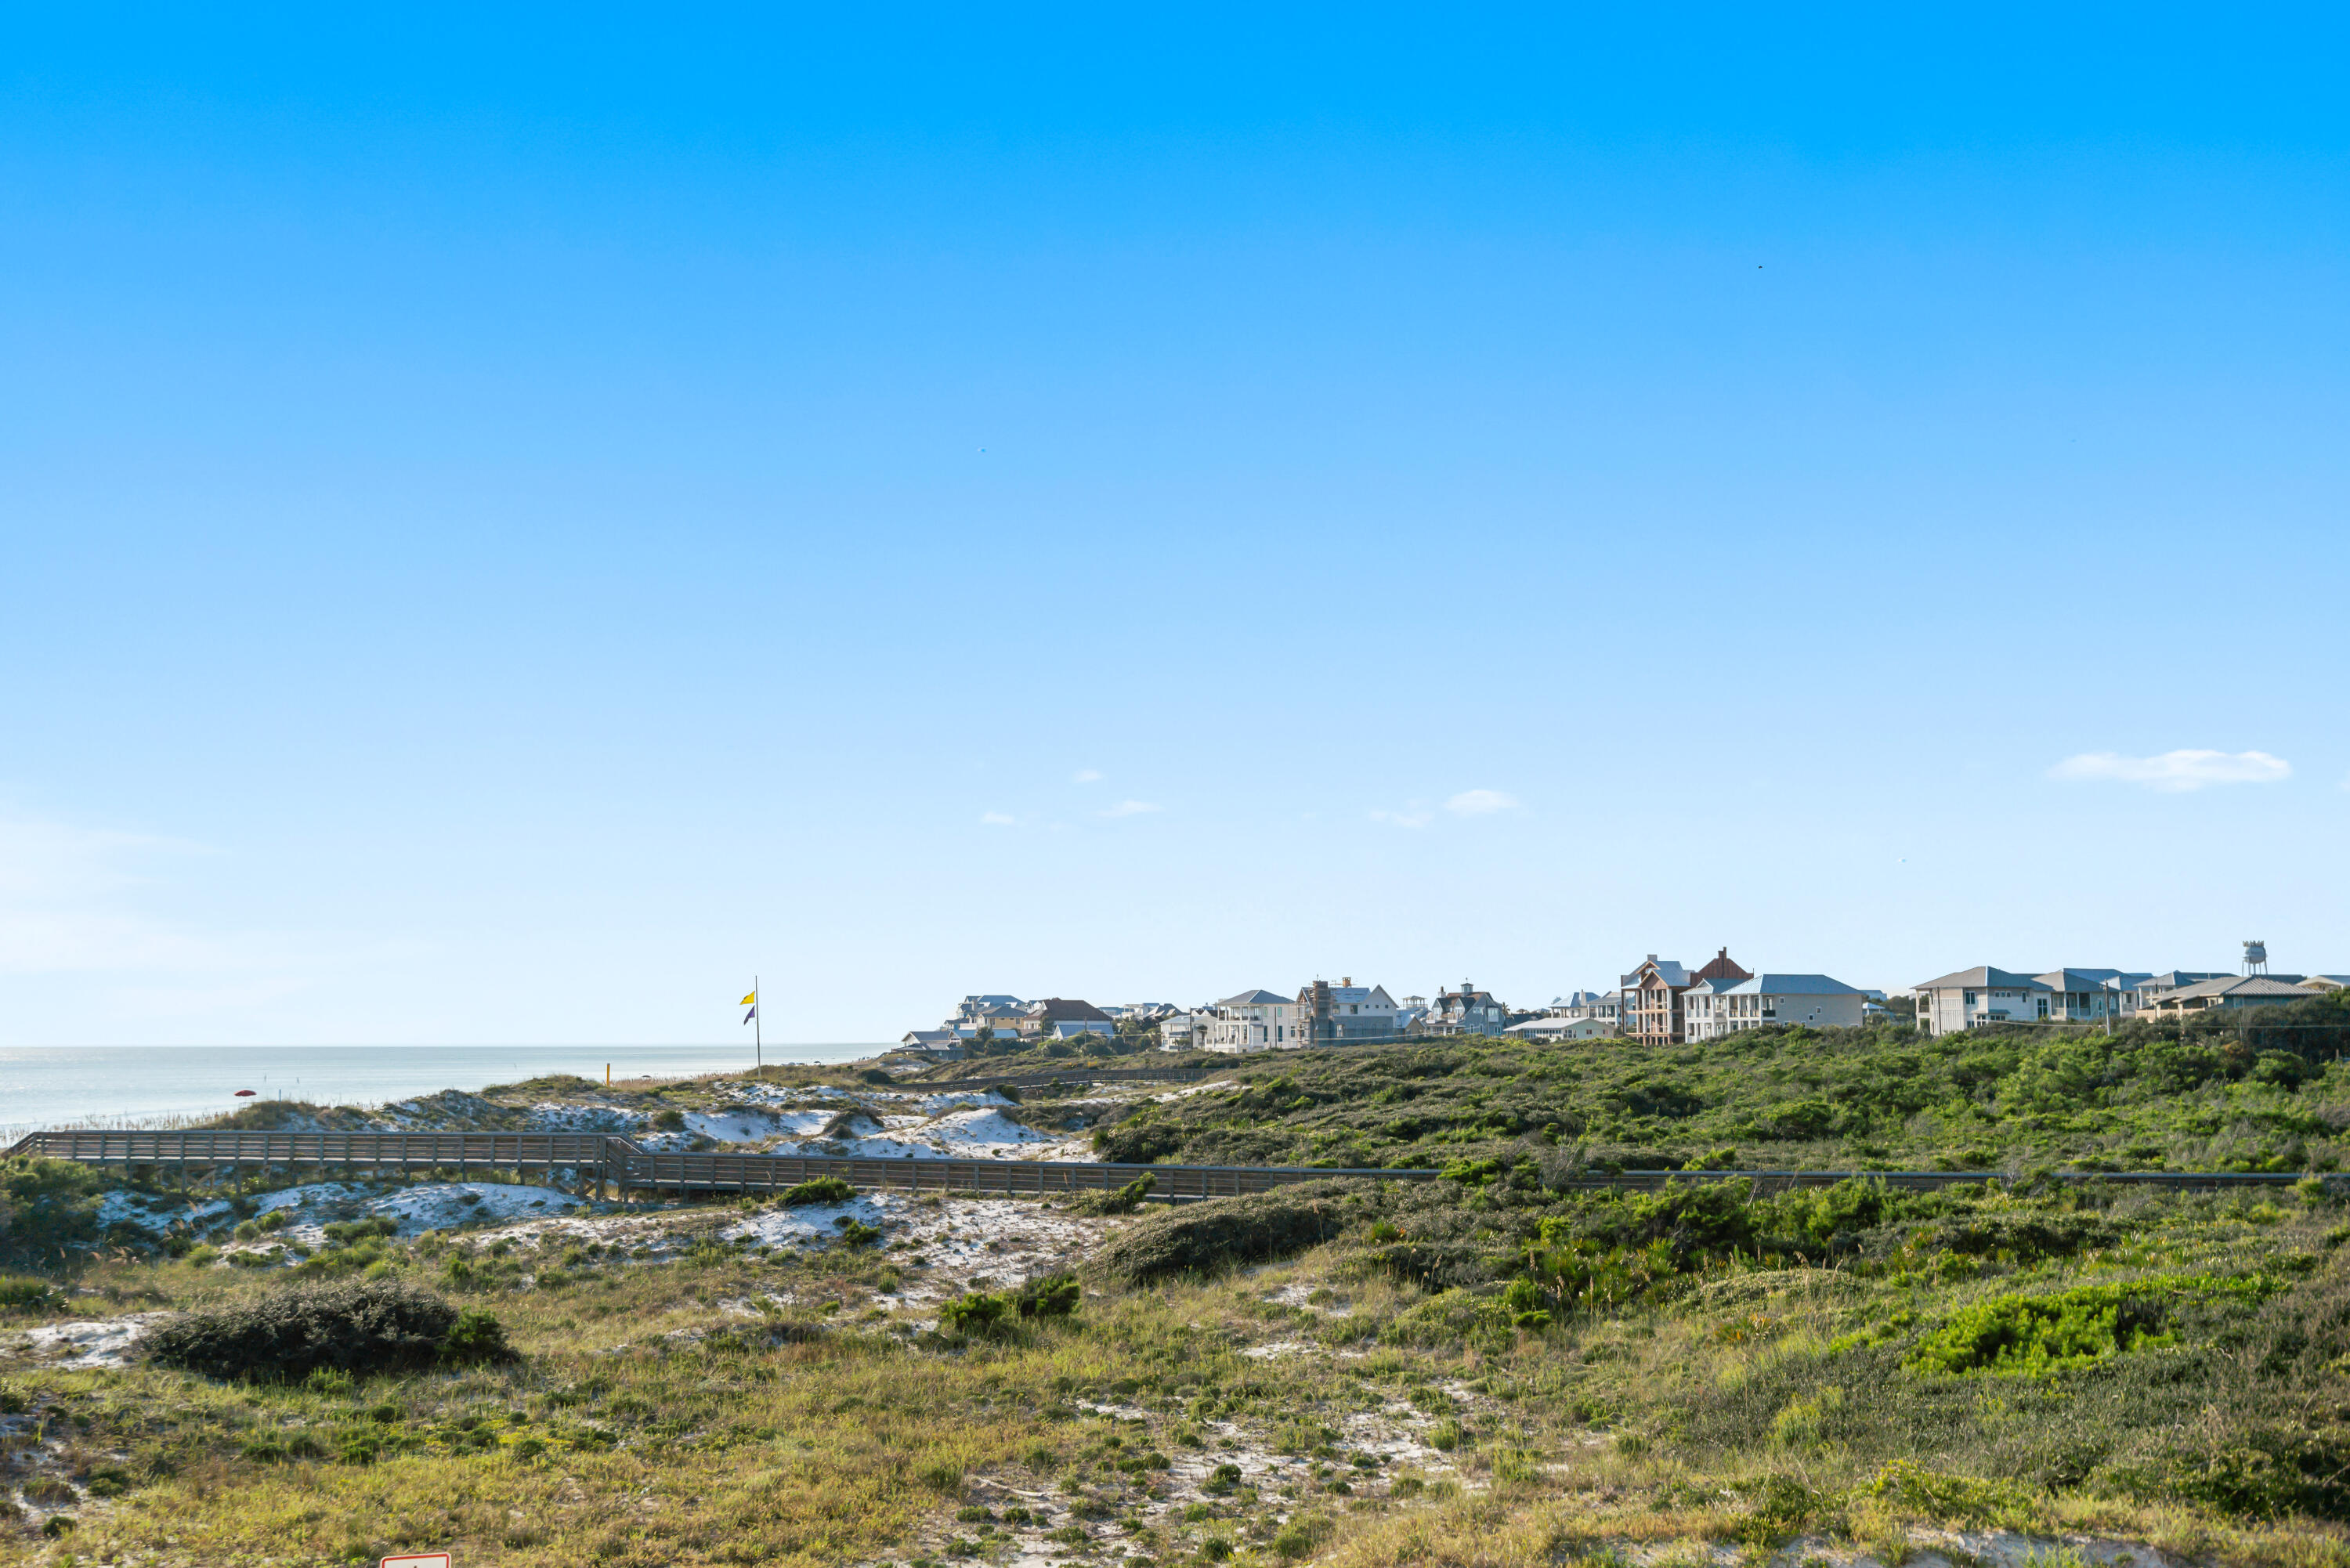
column 2234, row 991
column 1468, row 1011
column 1653, row 993
column 1253, row 1020
column 1600, row 1006
column 1971, row 998
column 2089, row 995
column 1713, row 1008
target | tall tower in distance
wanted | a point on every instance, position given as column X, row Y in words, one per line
column 2256, row 958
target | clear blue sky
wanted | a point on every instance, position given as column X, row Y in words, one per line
column 511, row 524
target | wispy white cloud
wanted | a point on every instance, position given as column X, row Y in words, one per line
column 995, row 819
column 2175, row 771
column 1088, row 775
column 51, row 860
column 71, row 903
column 1404, row 818
column 1131, row 808
column 1480, row 802
column 62, row 895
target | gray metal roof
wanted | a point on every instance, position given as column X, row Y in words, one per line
column 1982, row 977
column 1788, row 985
column 2088, row 979
column 2239, row 985
column 1254, row 999
column 1350, row 995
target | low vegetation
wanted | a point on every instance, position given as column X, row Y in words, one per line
column 2250, row 1092
column 358, row 1330
column 1497, row 1367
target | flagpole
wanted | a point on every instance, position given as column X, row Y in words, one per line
column 758, row 1030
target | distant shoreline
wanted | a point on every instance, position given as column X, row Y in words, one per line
column 44, row 1087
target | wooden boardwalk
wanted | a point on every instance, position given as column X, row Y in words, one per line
column 606, row 1158
column 1074, row 1075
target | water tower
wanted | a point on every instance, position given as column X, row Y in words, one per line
column 2256, row 958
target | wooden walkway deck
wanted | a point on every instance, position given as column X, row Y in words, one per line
column 606, row 1158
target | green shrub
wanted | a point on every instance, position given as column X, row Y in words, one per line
column 48, row 1209
column 820, row 1190
column 1955, row 1499
column 856, row 1232
column 373, row 1326
column 1118, row 1201
column 477, row 1336
column 331, row 1381
column 974, row 1312
column 1782, row 1507
column 1048, row 1295
column 1223, row 1232
column 2028, row 1335
column 18, row 1291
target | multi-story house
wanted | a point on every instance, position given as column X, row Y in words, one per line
column 1713, row 1008
column 1602, row 1006
column 2147, row 993
column 998, row 1015
column 1333, row 1015
column 2088, row 995
column 1253, row 1020
column 1969, row 998
column 1060, row 1017
column 1184, row 1030
column 1465, row 1012
column 2235, row 990
column 1652, row 1010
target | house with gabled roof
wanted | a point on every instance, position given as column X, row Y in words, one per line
column 1335, row 1014
column 1713, row 1008
column 1256, row 1020
column 1062, row 1017
column 1969, row 998
column 1652, row 1009
column 2234, row 991
column 1468, row 1011
column 2089, row 995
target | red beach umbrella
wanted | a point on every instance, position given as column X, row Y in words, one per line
column 244, row 1093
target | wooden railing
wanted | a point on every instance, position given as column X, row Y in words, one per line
column 604, row 1157
column 1076, row 1073
column 607, row 1158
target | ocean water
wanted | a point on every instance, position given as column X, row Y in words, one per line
column 131, row 1086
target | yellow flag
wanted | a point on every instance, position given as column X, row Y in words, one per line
column 748, row 1000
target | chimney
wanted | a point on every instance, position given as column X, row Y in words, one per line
column 1347, row 980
